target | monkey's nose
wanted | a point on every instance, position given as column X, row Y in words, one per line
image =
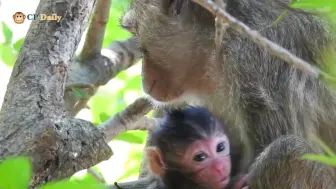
column 219, row 168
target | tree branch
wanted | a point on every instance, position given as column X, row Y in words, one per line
column 94, row 66
column 33, row 119
column 257, row 38
column 95, row 35
column 97, row 71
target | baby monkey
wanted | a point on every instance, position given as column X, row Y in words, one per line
column 191, row 149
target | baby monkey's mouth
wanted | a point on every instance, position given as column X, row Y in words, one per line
column 224, row 179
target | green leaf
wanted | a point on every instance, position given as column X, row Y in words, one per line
column 113, row 29
column 15, row 173
column 132, row 164
column 66, row 184
column 7, row 32
column 78, row 93
column 17, row 45
column 134, row 171
column 324, row 146
column 315, row 4
column 134, row 83
column 135, row 137
column 282, row 15
column 7, row 54
column 102, row 103
column 320, row 158
column 104, row 116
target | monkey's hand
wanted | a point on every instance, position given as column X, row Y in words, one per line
column 241, row 182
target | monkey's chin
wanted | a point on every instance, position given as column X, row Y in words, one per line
column 184, row 99
column 221, row 184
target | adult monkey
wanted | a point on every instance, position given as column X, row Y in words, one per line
column 271, row 106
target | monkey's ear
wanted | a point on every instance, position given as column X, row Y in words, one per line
column 155, row 161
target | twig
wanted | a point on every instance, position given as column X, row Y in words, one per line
column 96, row 175
column 272, row 47
column 79, row 85
column 138, row 184
column 118, row 56
column 82, row 103
column 131, row 118
column 96, row 31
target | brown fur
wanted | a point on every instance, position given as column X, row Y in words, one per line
column 263, row 98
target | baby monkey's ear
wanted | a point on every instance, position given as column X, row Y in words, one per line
column 156, row 164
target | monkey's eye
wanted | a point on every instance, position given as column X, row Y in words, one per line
column 220, row 147
column 200, row 157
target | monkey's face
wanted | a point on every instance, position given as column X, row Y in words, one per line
column 175, row 50
column 210, row 162
column 19, row 17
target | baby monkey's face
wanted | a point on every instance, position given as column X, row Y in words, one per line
column 209, row 161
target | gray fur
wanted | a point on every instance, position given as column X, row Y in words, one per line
column 261, row 96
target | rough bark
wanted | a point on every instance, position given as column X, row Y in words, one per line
column 33, row 118
column 100, row 69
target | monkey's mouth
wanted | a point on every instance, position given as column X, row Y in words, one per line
column 224, row 180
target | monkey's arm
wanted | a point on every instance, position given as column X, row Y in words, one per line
column 131, row 118
column 239, row 182
column 279, row 166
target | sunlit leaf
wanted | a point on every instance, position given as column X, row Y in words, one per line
column 315, row 4
column 282, row 15
column 67, row 184
column 323, row 146
column 17, row 45
column 15, row 173
column 136, row 137
column 122, row 76
column 78, row 93
column 329, row 67
column 320, row 158
column 132, row 165
column 136, row 155
column 7, row 32
column 7, row 54
column 134, row 171
column 134, row 83
column 113, row 29
column 103, row 103
column 103, row 116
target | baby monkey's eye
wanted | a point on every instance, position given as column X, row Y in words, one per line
column 220, row 147
column 200, row 157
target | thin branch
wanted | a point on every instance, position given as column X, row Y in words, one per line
column 257, row 38
column 95, row 35
column 94, row 173
column 131, row 118
column 119, row 56
column 138, row 184
column 80, row 85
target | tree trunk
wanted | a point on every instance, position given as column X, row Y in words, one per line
column 33, row 118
